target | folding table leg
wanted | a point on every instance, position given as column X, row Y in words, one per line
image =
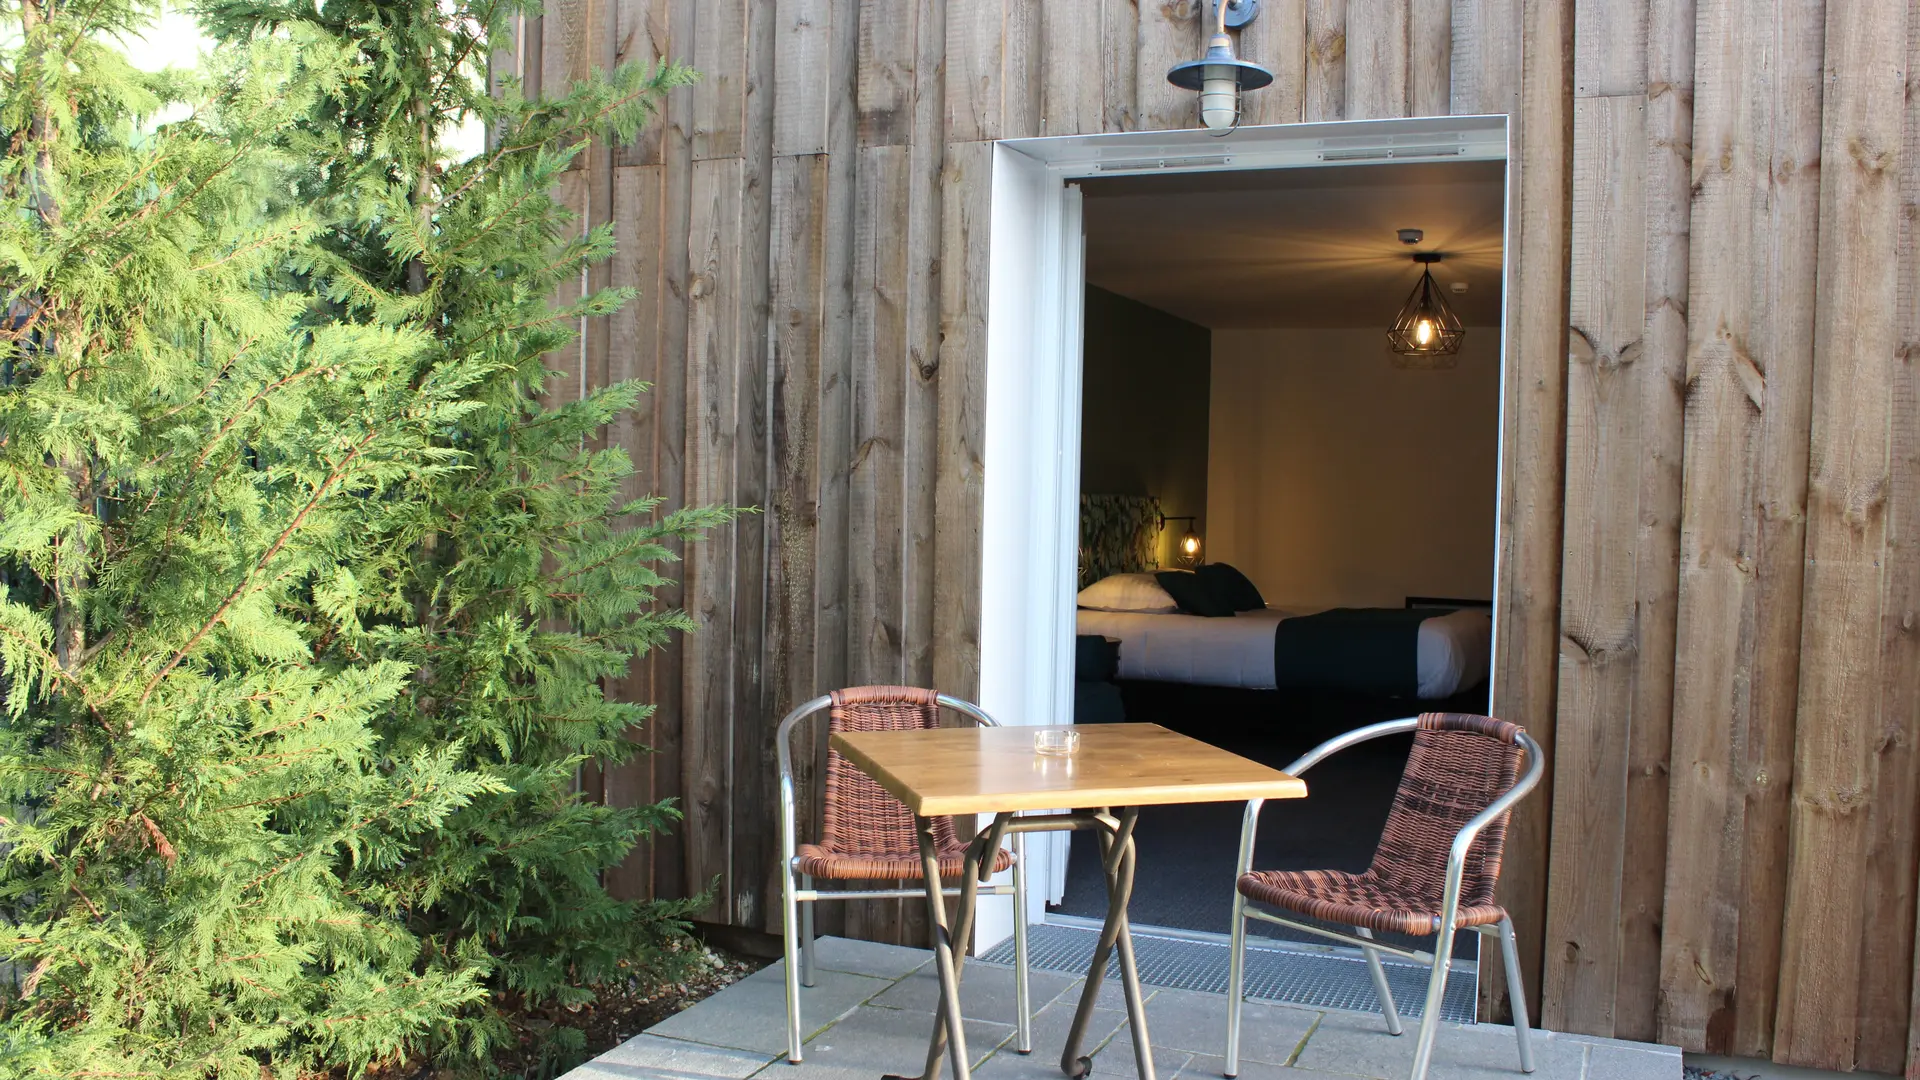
column 947, row 1030
column 949, row 944
column 1117, row 858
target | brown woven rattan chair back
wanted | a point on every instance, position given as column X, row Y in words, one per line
column 861, row 818
column 1459, row 765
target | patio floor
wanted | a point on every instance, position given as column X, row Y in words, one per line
column 872, row 1011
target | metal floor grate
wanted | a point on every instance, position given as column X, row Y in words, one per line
column 1326, row 979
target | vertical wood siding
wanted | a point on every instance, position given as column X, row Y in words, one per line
column 1710, row 553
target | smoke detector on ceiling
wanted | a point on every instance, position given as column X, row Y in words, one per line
column 1412, row 236
column 1458, row 287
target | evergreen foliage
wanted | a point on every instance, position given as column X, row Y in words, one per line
column 308, row 590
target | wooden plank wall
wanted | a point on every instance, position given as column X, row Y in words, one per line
column 1710, row 553
column 1732, row 863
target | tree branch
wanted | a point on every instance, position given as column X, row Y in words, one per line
column 319, row 494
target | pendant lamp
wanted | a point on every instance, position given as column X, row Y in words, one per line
column 1426, row 333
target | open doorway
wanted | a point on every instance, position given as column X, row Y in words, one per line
column 1241, row 407
column 1035, row 298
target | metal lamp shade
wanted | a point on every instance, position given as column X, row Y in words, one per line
column 1193, row 74
column 1221, row 78
column 1190, row 547
column 1437, row 344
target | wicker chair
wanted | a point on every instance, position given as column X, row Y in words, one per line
column 1434, row 872
column 867, row 834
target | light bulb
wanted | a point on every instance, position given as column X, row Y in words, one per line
column 1220, row 98
column 1423, row 332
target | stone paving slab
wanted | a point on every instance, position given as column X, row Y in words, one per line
column 986, row 991
column 1112, row 995
column 876, row 1020
column 1196, row 1021
column 752, row 1013
column 1115, row 1060
column 1050, row 1026
column 1610, row 1061
column 875, row 1041
column 867, row 957
column 1624, row 1044
column 1209, row 1067
column 1357, row 1044
column 651, row 1057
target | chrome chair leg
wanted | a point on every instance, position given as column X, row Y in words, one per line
column 1380, row 988
column 1436, row 994
column 790, row 940
column 1516, row 993
column 1236, row 981
column 1022, row 999
column 806, row 935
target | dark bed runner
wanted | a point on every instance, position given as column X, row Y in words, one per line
column 1372, row 650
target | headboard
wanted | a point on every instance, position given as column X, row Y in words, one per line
column 1119, row 534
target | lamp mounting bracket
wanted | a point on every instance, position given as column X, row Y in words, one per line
column 1426, row 256
column 1239, row 12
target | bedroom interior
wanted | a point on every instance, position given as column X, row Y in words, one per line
column 1240, row 397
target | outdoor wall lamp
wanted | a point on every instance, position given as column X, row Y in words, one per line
column 1189, row 543
column 1220, row 76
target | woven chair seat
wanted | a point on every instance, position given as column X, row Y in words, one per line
column 1459, row 764
column 1358, row 900
column 885, row 865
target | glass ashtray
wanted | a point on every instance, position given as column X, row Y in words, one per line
column 1056, row 742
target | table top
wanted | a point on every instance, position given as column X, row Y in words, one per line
column 984, row 770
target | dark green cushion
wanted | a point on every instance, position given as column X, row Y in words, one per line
column 1231, row 585
column 1195, row 594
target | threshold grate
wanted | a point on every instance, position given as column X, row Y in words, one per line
column 1321, row 978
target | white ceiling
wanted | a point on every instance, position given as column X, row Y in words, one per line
column 1309, row 247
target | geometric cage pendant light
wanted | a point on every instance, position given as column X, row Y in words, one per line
column 1426, row 333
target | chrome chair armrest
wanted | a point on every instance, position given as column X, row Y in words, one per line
column 789, row 808
column 966, row 708
column 1350, row 739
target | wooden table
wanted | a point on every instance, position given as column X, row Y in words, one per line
column 992, row 770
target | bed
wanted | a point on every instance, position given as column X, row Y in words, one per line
column 1219, row 632
column 1253, row 650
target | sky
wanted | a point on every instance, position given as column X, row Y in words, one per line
column 174, row 40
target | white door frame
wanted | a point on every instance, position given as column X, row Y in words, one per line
column 1035, row 289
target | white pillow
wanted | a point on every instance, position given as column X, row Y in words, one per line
column 1138, row 593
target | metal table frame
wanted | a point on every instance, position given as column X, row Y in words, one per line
column 1117, row 861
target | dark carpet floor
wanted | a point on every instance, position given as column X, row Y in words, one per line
column 1187, row 853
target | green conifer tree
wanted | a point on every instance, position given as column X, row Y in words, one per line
column 309, row 599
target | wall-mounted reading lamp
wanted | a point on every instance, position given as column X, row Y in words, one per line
column 1189, row 551
column 1219, row 75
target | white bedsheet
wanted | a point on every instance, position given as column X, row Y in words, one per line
column 1452, row 652
column 1190, row 648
